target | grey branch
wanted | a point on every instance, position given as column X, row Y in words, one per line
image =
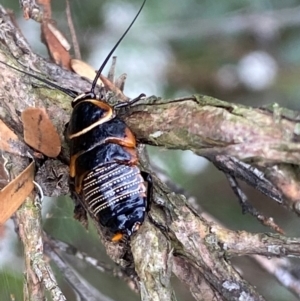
column 177, row 239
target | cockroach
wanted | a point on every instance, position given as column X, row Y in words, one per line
column 105, row 180
column 104, row 177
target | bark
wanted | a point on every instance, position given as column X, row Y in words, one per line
column 257, row 145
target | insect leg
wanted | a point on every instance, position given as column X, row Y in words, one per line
column 148, row 179
column 130, row 102
column 79, row 211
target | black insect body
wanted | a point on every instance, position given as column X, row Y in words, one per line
column 104, row 177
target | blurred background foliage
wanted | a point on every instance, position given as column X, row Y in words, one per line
column 243, row 51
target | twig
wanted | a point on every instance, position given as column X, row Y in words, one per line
column 189, row 237
column 83, row 291
column 247, row 207
column 31, row 10
column 99, row 265
column 233, row 167
column 153, row 266
column 38, row 273
column 72, row 31
column 222, row 129
column 280, row 268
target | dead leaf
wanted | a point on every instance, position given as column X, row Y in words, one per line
column 84, row 70
column 59, row 36
column 56, row 47
column 40, row 133
column 13, row 195
column 9, row 141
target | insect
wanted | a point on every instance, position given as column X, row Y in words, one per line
column 104, row 177
column 105, row 180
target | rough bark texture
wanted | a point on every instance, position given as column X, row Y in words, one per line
column 177, row 240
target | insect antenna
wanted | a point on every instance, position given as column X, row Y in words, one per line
column 114, row 48
column 69, row 92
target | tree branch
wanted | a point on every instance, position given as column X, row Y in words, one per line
column 213, row 128
column 177, row 240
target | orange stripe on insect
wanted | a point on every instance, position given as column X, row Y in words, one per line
column 109, row 114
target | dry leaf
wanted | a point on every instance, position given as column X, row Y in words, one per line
column 56, row 47
column 59, row 36
column 13, row 195
column 85, row 70
column 9, row 141
column 40, row 133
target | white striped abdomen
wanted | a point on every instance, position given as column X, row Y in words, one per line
column 116, row 195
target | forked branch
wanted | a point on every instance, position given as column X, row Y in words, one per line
column 259, row 146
